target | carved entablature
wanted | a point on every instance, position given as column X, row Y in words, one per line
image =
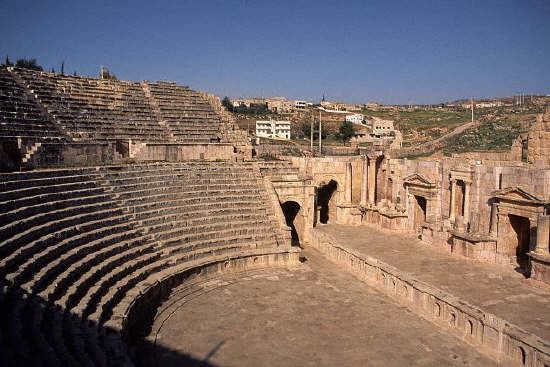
column 464, row 173
column 418, row 184
column 519, row 201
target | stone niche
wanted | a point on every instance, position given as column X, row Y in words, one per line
column 461, row 179
column 422, row 204
column 466, row 239
column 515, row 219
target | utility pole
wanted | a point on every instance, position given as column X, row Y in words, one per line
column 320, row 129
column 472, row 109
column 311, row 132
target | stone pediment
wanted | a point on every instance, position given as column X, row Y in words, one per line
column 518, row 193
column 417, row 179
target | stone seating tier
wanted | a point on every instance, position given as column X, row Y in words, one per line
column 102, row 110
column 77, row 245
column 19, row 113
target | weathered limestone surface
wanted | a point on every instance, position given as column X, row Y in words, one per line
column 311, row 315
column 46, row 116
column 538, row 151
column 491, row 313
column 85, row 251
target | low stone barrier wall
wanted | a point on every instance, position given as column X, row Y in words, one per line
column 181, row 152
column 88, row 154
column 492, row 335
column 139, row 315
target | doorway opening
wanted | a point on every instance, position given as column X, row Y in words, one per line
column 522, row 229
column 419, row 211
column 294, row 219
column 459, row 198
column 326, row 202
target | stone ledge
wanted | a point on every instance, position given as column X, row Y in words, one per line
column 503, row 341
column 392, row 213
column 473, row 237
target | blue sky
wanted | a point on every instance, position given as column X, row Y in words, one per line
column 356, row 51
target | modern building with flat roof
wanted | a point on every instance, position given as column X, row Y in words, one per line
column 273, row 129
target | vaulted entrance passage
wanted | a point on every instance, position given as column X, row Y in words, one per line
column 522, row 231
column 326, row 202
column 294, row 218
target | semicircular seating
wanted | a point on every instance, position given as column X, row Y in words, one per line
column 78, row 245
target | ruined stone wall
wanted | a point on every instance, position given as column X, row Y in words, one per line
column 406, row 167
column 486, row 178
column 182, row 152
column 500, row 155
column 538, row 150
column 322, row 170
column 229, row 131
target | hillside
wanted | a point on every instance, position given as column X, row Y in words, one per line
column 494, row 129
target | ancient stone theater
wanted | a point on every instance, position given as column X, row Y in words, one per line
column 139, row 229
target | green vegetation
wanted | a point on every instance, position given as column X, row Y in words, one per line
column 305, row 130
column 227, row 103
column 103, row 74
column 493, row 135
column 253, row 110
column 346, row 130
column 23, row 63
column 7, row 62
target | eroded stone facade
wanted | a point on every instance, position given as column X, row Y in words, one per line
column 484, row 210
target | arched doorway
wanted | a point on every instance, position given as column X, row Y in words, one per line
column 326, row 202
column 294, row 219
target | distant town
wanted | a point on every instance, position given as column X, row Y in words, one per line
column 371, row 123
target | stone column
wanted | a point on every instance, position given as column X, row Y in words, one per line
column 453, row 201
column 364, row 181
column 411, row 210
column 543, row 234
column 372, row 178
column 349, row 177
column 494, row 220
column 467, row 186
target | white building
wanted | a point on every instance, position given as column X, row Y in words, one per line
column 301, row 104
column 356, row 118
column 273, row 129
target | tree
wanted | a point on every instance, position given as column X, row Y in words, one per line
column 62, row 67
column 28, row 64
column 105, row 74
column 227, row 103
column 7, row 62
column 305, row 127
column 347, row 130
column 53, row 70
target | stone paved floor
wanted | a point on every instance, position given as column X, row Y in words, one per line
column 494, row 288
column 311, row 315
